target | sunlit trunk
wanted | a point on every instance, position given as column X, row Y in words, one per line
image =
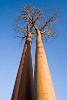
column 44, row 89
column 24, row 80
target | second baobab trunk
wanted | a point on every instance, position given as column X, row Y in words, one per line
column 24, row 81
column 44, row 89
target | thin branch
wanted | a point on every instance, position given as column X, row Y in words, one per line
column 50, row 20
column 29, row 21
column 20, row 28
column 21, row 37
column 46, row 31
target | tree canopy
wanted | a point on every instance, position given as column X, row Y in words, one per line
column 31, row 17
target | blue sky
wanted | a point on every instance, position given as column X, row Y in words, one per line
column 11, row 50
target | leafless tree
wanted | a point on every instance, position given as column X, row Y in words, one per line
column 31, row 17
column 30, row 22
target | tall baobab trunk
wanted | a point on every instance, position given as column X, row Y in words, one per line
column 24, row 80
column 44, row 89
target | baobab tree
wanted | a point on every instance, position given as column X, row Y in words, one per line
column 24, row 80
column 42, row 29
column 43, row 86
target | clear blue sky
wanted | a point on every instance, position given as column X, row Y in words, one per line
column 10, row 50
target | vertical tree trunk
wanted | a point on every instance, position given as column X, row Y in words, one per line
column 44, row 89
column 24, row 80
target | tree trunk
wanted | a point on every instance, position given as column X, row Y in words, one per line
column 44, row 89
column 24, row 80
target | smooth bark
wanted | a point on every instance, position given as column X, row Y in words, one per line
column 44, row 89
column 24, row 80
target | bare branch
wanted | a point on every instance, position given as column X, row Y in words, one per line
column 47, row 31
column 21, row 37
column 50, row 21
column 29, row 18
column 20, row 28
